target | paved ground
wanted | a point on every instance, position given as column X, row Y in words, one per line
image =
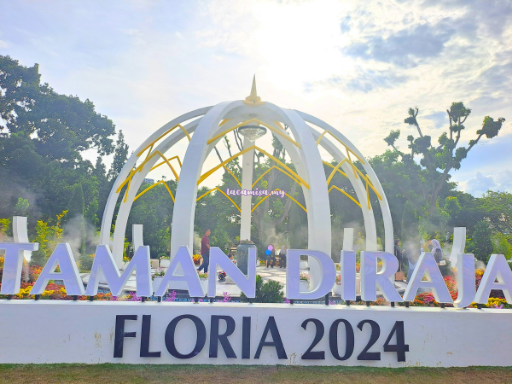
column 279, row 275
column 276, row 274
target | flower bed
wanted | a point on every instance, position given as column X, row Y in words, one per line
column 426, row 299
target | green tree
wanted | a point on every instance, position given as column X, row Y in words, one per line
column 154, row 211
column 401, row 182
column 120, row 157
column 502, row 244
column 452, row 206
column 47, row 236
column 465, row 211
column 480, row 243
column 42, row 137
column 21, row 207
column 410, row 232
column 448, row 155
column 220, row 239
column 76, row 206
column 498, row 208
column 104, row 186
column 76, row 224
column 5, row 228
column 61, row 126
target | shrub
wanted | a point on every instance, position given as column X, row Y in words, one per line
column 269, row 292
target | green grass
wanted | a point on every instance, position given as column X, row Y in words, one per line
column 145, row 374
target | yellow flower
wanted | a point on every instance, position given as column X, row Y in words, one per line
column 24, row 293
column 47, row 293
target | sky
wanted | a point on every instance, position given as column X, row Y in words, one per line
column 358, row 65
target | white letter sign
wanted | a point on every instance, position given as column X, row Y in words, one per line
column 293, row 274
column 384, row 279
column 247, row 284
column 63, row 257
column 105, row 264
column 427, row 266
column 348, row 274
column 497, row 269
column 183, row 259
column 13, row 262
column 466, row 280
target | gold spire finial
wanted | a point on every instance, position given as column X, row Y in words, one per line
column 253, row 99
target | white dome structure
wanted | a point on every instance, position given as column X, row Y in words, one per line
column 204, row 127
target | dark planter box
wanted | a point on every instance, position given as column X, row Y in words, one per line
column 242, row 256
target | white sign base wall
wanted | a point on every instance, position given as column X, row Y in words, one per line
column 187, row 333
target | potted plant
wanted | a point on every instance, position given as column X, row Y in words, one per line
column 197, row 259
column 165, row 262
column 157, row 277
column 203, row 279
column 242, row 255
column 304, row 282
column 336, row 290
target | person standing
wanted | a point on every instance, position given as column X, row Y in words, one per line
column 205, row 251
column 282, row 257
column 271, row 256
column 399, row 254
column 436, row 250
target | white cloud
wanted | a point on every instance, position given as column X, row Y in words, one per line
column 354, row 64
column 503, row 179
column 479, row 184
column 499, row 181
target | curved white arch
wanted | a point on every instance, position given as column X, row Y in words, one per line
column 110, row 206
column 136, row 181
column 386, row 213
column 319, row 212
column 163, row 146
column 186, row 193
column 319, row 232
column 306, row 158
column 368, row 215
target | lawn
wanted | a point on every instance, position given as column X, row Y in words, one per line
column 117, row 373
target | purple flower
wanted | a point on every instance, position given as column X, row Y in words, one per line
column 172, row 297
column 134, row 297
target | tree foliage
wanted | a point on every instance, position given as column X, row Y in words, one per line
column 438, row 161
column 480, row 243
column 410, row 233
column 42, row 137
